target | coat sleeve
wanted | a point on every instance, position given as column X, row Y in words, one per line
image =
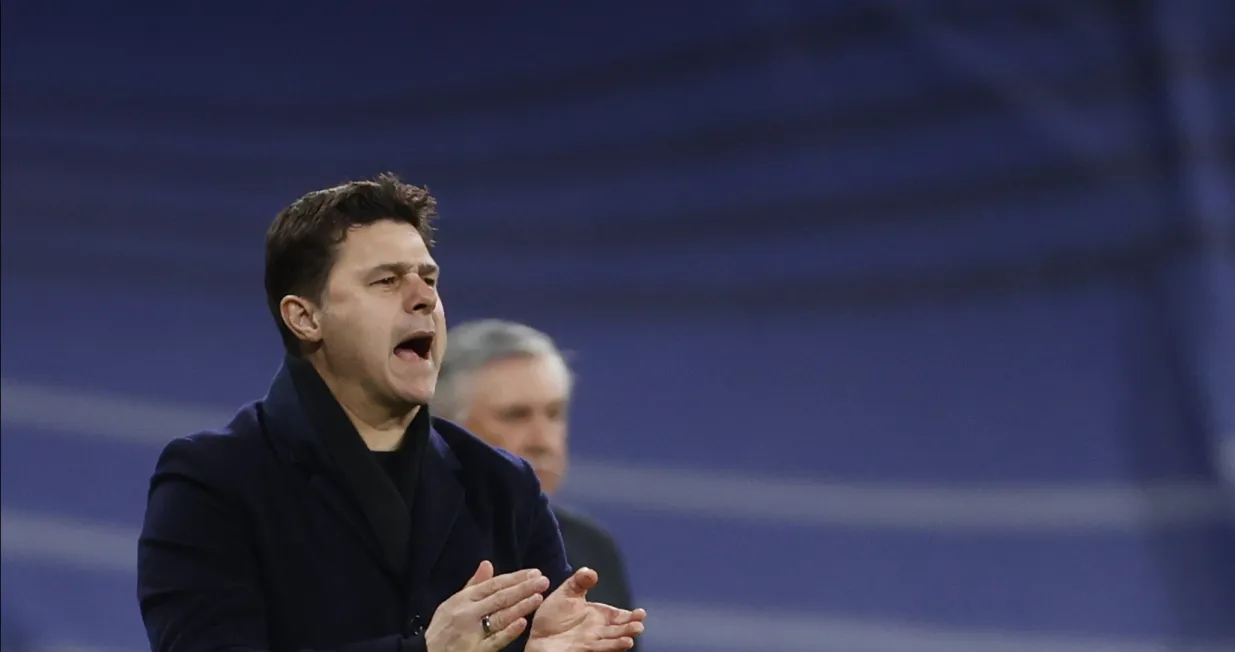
column 540, row 541
column 196, row 573
column 543, row 547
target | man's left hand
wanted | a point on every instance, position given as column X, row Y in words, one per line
column 567, row 622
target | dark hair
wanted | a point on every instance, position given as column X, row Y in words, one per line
column 303, row 240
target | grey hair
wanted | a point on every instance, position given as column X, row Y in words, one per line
column 472, row 345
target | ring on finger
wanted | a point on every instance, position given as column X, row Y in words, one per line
column 487, row 625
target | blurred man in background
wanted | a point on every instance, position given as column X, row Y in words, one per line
column 510, row 385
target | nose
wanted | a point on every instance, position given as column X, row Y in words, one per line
column 421, row 297
column 545, row 438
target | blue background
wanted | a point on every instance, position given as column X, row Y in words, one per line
column 898, row 326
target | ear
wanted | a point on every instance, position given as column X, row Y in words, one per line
column 302, row 318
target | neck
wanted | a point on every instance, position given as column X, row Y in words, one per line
column 381, row 425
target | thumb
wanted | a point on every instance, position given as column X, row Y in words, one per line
column 483, row 572
column 580, row 583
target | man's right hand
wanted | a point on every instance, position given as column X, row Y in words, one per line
column 506, row 600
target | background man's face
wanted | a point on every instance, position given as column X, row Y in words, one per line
column 520, row 404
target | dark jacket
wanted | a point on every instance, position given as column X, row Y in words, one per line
column 281, row 532
column 589, row 544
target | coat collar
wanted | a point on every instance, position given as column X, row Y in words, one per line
column 308, row 424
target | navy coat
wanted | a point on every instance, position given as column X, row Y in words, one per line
column 281, row 532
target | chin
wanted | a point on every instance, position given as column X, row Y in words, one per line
column 414, row 389
column 549, row 482
column 415, row 395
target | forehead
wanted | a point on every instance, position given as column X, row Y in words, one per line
column 521, row 379
column 383, row 242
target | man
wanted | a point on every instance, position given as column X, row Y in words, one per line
column 509, row 384
column 336, row 514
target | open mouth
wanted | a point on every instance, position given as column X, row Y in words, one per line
column 416, row 346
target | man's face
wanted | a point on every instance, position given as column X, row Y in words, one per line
column 520, row 404
column 381, row 323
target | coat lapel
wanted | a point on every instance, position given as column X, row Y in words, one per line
column 347, row 510
column 343, row 472
column 387, row 516
column 434, row 521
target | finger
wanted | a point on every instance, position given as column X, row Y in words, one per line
column 505, row 608
column 615, row 616
column 517, row 612
column 511, row 595
column 500, row 639
column 506, row 580
column 483, row 572
column 611, row 615
column 577, row 585
column 629, row 630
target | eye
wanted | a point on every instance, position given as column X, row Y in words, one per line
column 431, row 282
column 386, row 280
column 515, row 414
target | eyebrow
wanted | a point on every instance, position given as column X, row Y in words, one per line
column 424, row 269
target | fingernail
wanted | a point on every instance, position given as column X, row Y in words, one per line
column 535, row 572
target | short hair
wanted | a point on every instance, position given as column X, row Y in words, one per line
column 303, row 240
column 472, row 345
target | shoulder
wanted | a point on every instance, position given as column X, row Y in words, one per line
column 502, row 482
column 578, row 526
column 217, row 456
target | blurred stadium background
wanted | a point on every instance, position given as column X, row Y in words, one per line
column 901, row 326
